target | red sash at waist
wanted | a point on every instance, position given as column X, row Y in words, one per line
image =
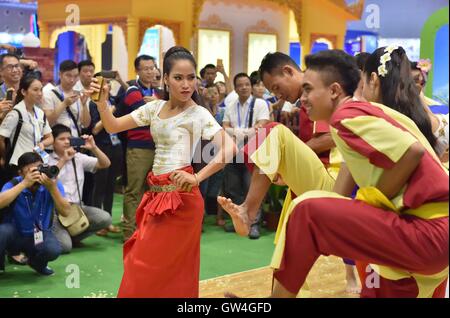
column 158, row 203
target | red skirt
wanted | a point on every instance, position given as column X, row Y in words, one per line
column 162, row 258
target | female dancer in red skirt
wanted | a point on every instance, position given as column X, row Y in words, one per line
column 162, row 258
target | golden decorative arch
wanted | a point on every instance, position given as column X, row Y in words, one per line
column 213, row 22
column 175, row 27
column 329, row 38
column 261, row 27
column 294, row 5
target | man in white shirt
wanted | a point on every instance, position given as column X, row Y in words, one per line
column 86, row 71
column 246, row 114
column 66, row 106
column 241, row 120
column 64, row 156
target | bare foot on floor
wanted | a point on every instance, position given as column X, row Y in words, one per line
column 230, row 295
column 238, row 215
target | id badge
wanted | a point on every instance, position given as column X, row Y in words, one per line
column 38, row 237
column 114, row 139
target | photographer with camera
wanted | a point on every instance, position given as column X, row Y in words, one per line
column 30, row 200
column 73, row 165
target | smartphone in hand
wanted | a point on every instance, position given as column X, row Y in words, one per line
column 9, row 95
column 77, row 142
column 97, row 96
column 108, row 74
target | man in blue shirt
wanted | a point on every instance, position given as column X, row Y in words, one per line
column 32, row 198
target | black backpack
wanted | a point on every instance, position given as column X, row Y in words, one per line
column 11, row 144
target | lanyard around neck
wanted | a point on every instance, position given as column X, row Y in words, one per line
column 239, row 114
column 36, row 130
column 37, row 223
column 78, row 102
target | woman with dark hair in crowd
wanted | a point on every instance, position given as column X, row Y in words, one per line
column 34, row 128
column 439, row 120
column 420, row 72
column 222, row 87
column 162, row 258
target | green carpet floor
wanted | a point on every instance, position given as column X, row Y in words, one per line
column 99, row 263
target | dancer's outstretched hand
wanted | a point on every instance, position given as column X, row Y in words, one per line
column 238, row 215
column 183, row 180
column 95, row 88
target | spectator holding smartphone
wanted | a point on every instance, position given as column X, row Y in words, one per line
column 139, row 147
column 66, row 106
column 73, row 166
column 11, row 73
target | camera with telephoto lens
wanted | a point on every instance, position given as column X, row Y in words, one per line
column 51, row 171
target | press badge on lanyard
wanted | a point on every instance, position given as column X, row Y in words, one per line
column 114, row 139
column 38, row 237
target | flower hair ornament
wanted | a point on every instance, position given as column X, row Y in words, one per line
column 382, row 70
column 424, row 65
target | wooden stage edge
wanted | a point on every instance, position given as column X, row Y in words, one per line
column 326, row 280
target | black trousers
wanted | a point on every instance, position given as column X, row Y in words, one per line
column 105, row 179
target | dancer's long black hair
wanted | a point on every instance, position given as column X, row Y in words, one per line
column 174, row 54
column 398, row 90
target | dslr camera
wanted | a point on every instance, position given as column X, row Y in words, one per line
column 51, row 171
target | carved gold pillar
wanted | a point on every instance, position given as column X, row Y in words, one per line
column 306, row 46
column 133, row 43
column 44, row 34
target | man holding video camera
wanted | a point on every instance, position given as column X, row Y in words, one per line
column 73, row 165
column 30, row 200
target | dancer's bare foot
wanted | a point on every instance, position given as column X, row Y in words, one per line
column 230, row 295
column 238, row 215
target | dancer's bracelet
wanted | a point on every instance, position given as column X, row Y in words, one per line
column 196, row 179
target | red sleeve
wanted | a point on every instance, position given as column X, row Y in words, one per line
column 321, row 127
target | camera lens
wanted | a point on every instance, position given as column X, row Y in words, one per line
column 53, row 172
column 50, row 171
